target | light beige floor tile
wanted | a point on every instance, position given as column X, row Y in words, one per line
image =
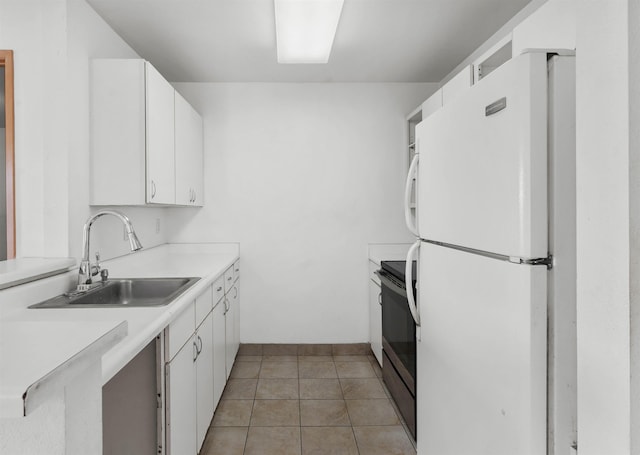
column 280, row 358
column 324, row 413
column 249, row 358
column 351, row 349
column 328, row 440
column 233, row 413
column 383, row 440
column 315, row 358
column 275, row 413
column 320, row 389
column 250, row 349
column 317, row 370
column 240, row 389
column 376, row 367
column 355, row 370
column 278, row 370
column 273, row 441
column 280, row 349
column 372, row 412
column 225, row 441
column 245, row 370
column 314, row 349
column 350, row 358
column 353, row 389
column 269, row 389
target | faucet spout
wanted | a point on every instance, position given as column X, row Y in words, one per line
column 85, row 271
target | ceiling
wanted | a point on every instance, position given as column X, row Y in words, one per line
column 376, row 40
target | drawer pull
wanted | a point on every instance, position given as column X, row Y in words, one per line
column 219, row 289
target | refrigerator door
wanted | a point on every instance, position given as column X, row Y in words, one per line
column 481, row 363
column 483, row 164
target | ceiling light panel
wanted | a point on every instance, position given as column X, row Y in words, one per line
column 305, row 29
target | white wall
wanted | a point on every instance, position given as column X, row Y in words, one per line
column 303, row 176
column 603, row 280
column 52, row 42
column 634, row 215
column 34, row 29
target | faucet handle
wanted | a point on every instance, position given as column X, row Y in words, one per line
column 95, row 269
column 104, row 275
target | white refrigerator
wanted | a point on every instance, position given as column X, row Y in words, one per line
column 496, row 264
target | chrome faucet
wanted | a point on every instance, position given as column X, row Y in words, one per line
column 87, row 270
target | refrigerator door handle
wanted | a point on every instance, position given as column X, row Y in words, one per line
column 408, row 273
column 412, row 223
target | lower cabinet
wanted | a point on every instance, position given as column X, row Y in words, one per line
column 189, row 379
column 181, row 401
column 199, row 352
column 204, row 378
column 232, row 325
column 219, row 351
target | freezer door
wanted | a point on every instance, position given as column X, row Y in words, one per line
column 481, row 362
column 483, row 164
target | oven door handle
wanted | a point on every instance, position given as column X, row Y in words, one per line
column 388, row 283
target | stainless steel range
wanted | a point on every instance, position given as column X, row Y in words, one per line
column 398, row 340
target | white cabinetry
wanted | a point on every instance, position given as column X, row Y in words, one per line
column 181, row 400
column 204, row 378
column 189, row 160
column 219, row 342
column 189, row 374
column 137, row 134
column 232, row 314
column 160, row 138
column 375, row 312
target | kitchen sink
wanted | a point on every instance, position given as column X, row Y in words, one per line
column 130, row 292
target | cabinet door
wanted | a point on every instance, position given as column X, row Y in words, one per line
column 235, row 302
column 375, row 319
column 219, row 352
column 230, row 334
column 160, row 138
column 204, row 379
column 181, row 401
column 232, row 325
column 189, row 154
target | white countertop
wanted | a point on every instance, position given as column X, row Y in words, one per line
column 38, row 358
column 17, row 271
column 208, row 261
column 388, row 252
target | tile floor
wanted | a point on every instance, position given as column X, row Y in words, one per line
column 306, row 399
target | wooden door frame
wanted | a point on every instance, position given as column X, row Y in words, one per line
column 6, row 61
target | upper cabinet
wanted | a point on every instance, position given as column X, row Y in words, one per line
column 146, row 140
column 160, row 138
column 189, row 163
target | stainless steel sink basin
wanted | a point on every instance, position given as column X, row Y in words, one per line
column 134, row 292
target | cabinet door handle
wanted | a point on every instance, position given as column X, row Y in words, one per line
column 235, row 289
column 230, row 278
column 153, row 189
column 380, row 298
column 195, row 351
column 219, row 289
column 200, row 348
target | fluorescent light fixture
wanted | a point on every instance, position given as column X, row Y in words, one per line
column 305, row 29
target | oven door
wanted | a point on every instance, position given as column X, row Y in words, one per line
column 398, row 328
